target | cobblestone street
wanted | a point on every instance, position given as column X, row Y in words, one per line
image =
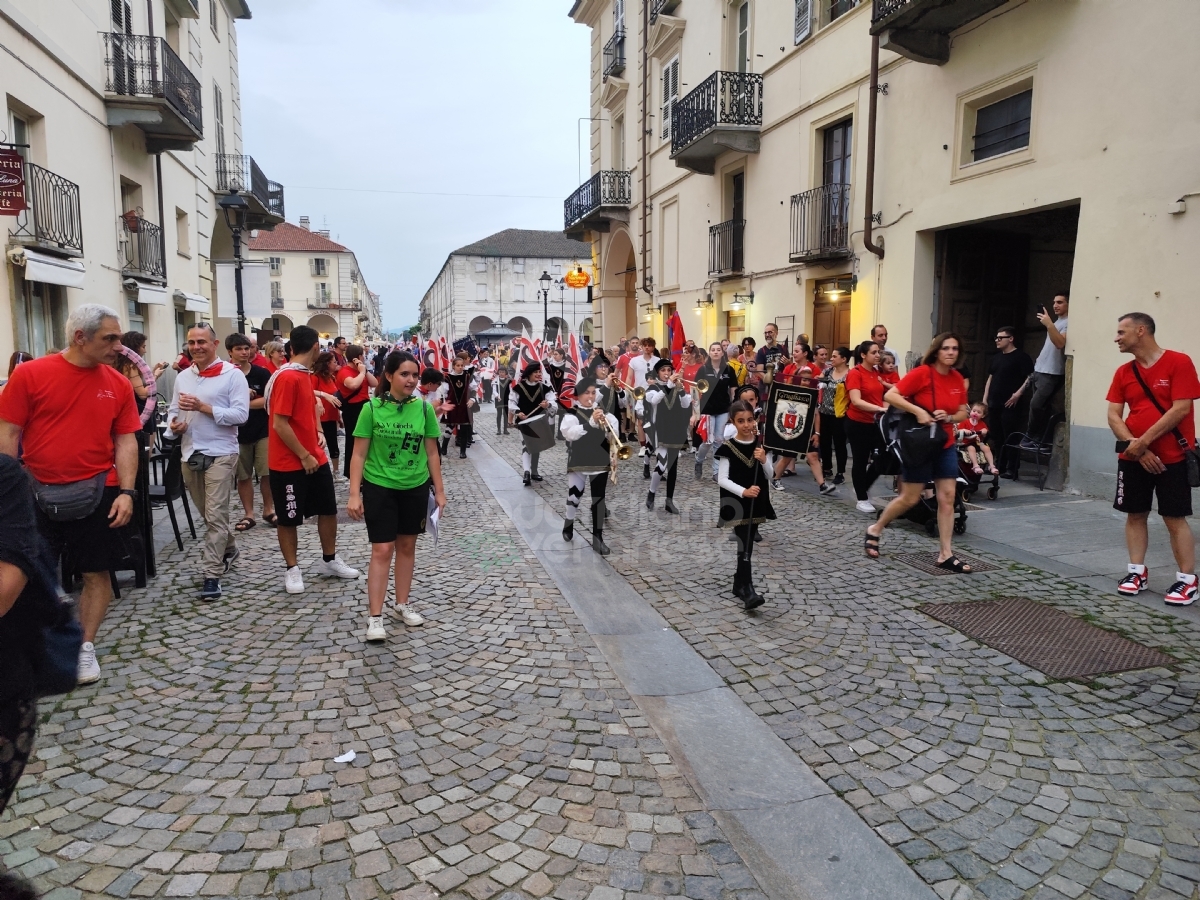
column 495, row 754
column 990, row 779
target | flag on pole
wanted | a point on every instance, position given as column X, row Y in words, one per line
column 531, row 351
column 675, row 338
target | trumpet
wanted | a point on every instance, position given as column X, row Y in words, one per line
column 616, row 449
column 638, row 392
column 700, row 384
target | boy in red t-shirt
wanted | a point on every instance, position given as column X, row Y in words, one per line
column 1153, row 442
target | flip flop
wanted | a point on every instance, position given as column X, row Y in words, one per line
column 871, row 545
column 956, row 565
column 245, row 524
column 271, row 519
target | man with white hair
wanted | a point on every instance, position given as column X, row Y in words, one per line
column 77, row 420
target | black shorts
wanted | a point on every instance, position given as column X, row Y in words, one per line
column 298, row 495
column 88, row 542
column 1136, row 487
column 390, row 512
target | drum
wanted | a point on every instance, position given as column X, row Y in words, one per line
column 539, row 433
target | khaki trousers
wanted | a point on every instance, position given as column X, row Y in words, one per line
column 210, row 491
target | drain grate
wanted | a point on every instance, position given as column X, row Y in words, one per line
column 927, row 562
column 1044, row 638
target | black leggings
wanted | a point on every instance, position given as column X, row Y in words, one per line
column 350, row 413
column 330, row 430
column 742, row 533
column 18, row 722
column 864, row 438
column 833, row 442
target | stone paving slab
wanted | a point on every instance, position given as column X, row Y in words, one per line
column 989, row 779
column 496, row 754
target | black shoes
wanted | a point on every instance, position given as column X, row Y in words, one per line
column 525, row 479
column 670, row 506
column 598, row 513
column 211, row 590
column 699, row 470
column 646, row 471
column 568, row 529
column 743, row 585
column 649, row 499
column 462, row 452
column 537, row 477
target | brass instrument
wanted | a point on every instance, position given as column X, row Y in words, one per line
column 616, row 449
column 700, row 384
column 637, row 392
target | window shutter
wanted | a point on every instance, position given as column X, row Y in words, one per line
column 670, row 94
column 803, row 19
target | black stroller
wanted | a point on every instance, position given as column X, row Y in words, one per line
column 886, row 461
column 974, row 481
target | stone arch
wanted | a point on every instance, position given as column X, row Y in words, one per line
column 587, row 329
column 618, row 288
column 278, row 327
column 555, row 326
column 516, row 323
column 478, row 324
column 326, row 326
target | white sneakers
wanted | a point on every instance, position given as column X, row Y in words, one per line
column 865, row 506
column 375, row 631
column 89, row 669
column 293, row 581
column 410, row 618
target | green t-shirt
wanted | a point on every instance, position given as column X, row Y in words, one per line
column 396, row 458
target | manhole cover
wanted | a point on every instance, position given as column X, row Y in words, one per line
column 927, row 562
column 1045, row 638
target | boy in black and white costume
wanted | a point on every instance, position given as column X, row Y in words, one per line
column 529, row 397
column 610, row 397
column 668, row 406
column 588, row 460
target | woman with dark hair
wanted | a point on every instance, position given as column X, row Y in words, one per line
column 354, row 383
column 865, row 389
column 129, row 362
column 325, row 388
column 714, row 403
column 394, row 468
column 18, row 357
column 933, row 392
column 834, row 403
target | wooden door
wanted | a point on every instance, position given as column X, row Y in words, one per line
column 984, row 285
column 831, row 323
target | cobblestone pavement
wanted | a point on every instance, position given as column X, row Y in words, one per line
column 990, row 779
column 496, row 755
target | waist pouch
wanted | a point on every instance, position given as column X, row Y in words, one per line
column 71, row 501
column 200, row 462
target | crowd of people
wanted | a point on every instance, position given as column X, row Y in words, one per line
column 75, row 425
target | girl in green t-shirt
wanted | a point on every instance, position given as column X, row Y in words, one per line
column 394, row 467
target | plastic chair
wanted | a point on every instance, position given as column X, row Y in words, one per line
column 171, row 488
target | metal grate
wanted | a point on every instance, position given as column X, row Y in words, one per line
column 1045, row 638
column 927, row 562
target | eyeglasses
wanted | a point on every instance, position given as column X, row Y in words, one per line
column 1003, row 337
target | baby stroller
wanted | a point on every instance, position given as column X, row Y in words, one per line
column 925, row 511
column 973, row 481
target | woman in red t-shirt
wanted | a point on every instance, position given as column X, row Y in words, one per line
column 933, row 392
column 865, row 389
column 354, row 383
column 326, row 390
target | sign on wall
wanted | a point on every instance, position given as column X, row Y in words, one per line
column 12, row 182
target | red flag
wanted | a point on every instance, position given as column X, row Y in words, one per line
column 675, row 338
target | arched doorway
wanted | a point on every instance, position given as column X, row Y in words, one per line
column 516, row 323
column 478, row 324
column 618, row 288
column 326, row 326
column 556, row 326
column 275, row 328
column 586, row 330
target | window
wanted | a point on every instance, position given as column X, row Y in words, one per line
column 219, row 117
column 1003, row 126
column 618, row 16
column 183, row 239
column 481, row 293
column 558, row 268
column 670, row 93
column 122, row 16
column 518, row 267
column 838, row 140
column 137, row 316
column 481, row 265
column 212, row 16
column 318, row 267
column 20, row 133
column 276, row 264
column 322, row 292
column 743, row 37
column 276, row 293
column 519, row 292
column 41, row 317
column 835, row 9
column 803, row 19
column 618, row 143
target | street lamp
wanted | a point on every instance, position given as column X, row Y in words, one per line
column 236, row 210
column 545, row 282
column 562, row 303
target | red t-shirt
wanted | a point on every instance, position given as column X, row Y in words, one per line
column 261, row 361
column 971, row 434
column 1172, row 378
column 292, row 396
column 871, row 390
column 892, row 377
column 329, row 412
column 69, row 417
column 924, row 386
column 689, row 372
column 362, row 395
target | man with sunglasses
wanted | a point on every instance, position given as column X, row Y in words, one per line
column 1010, row 368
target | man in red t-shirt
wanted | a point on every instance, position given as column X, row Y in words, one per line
column 76, row 417
column 1158, row 386
column 301, row 480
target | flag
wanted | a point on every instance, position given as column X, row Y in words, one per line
column 573, row 371
column 444, row 354
column 675, row 338
column 530, row 350
column 432, row 354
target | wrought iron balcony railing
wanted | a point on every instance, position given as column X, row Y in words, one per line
column 241, row 173
column 820, row 223
column 883, row 9
column 726, row 248
column 140, row 66
column 920, row 29
column 614, row 54
column 607, row 188
column 723, row 99
column 142, row 241
column 276, row 303
column 661, row 8
column 52, row 216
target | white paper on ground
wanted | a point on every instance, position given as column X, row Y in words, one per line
column 346, row 757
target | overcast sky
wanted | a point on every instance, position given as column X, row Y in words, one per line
column 374, row 113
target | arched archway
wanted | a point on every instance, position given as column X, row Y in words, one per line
column 556, row 326
column 516, row 323
column 326, row 326
column 617, row 297
column 478, row 324
column 587, row 330
column 277, row 328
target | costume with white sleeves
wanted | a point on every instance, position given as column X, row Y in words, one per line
column 669, row 410
column 588, row 462
column 524, row 400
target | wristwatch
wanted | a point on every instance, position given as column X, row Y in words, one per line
column 130, row 492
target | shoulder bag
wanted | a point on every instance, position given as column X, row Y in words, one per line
column 1189, row 453
column 71, row 501
column 918, row 443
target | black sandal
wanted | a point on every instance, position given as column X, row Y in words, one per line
column 271, row 519
column 871, row 545
column 956, row 565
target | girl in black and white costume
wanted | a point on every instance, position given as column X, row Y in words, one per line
column 588, row 460
column 668, row 407
column 610, row 397
column 532, row 395
column 745, row 494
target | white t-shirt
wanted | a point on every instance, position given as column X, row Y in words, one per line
column 1052, row 361
column 639, row 366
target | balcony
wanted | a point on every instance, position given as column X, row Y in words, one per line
column 726, row 248
column 920, row 29
column 142, row 242
column 601, row 200
column 327, row 301
column 723, row 113
column 147, row 85
column 662, row 8
column 614, row 54
column 242, row 174
column 820, row 224
column 51, row 220
column 276, row 303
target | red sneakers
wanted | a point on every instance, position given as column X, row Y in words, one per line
column 1135, row 582
column 1183, row 591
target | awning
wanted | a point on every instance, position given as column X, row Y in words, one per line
column 152, row 295
column 194, row 302
column 53, row 269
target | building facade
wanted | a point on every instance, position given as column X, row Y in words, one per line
column 127, row 118
column 733, row 174
column 495, row 281
column 317, row 282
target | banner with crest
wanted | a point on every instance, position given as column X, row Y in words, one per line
column 791, row 416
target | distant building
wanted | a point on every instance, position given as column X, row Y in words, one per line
column 315, row 281
column 495, row 281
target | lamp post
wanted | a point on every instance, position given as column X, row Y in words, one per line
column 236, row 209
column 562, row 303
column 545, row 282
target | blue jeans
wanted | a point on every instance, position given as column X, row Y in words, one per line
column 943, row 464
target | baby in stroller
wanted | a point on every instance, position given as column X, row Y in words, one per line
column 972, row 435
